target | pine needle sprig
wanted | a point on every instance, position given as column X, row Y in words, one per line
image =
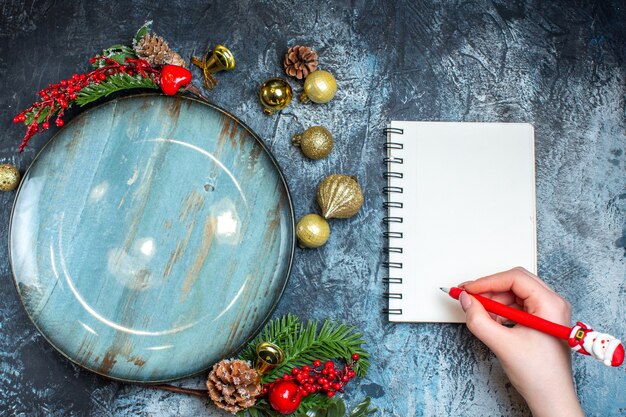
column 278, row 332
column 114, row 83
column 303, row 343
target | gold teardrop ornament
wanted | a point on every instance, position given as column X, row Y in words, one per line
column 312, row 231
column 339, row 196
column 319, row 87
column 9, row 177
column 316, row 142
column 275, row 95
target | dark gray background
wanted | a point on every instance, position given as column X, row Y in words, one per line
column 556, row 64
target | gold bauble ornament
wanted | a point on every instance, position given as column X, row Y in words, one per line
column 9, row 177
column 275, row 94
column 316, row 142
column 319, row 87
column 339, row 196
column 312, row 231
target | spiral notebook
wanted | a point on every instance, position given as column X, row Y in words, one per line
column 460, row 205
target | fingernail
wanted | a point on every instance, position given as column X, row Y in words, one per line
column 465, row 300
column 461, row 285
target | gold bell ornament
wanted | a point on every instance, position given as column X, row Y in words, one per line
column 316, row 142
column 319, row 87
column 9, row 177
column 221, row 59
column 275, row 95
column 339, row 196
column 268, row 357
column 312, row 231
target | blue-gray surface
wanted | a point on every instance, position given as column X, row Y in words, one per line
column 559, row 65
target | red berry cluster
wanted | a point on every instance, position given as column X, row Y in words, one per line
column 56, row 98
column 317, row 378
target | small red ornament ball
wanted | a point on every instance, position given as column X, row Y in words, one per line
column 285, row 397
column 173, row 78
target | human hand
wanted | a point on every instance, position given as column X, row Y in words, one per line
column 538, row 365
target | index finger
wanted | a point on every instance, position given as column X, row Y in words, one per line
column 522, row 284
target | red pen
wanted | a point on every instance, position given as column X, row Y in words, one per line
column 580, row 337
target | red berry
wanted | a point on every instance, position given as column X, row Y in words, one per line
column 72, row 96
column 330, row 394
column 102, row 77
column 310, row 388
column 322, row 380
column 22, row 117
column 59, row 122
column 351, row 374
column 45, row 125
column 286, row 377
column 336, row 386
column 311, row 380
column 326, row 386
column 317, row 363
column 16, row 119
column 285, row 397
column 306, row 368
column 295, row 371
column 355, row 357
column 345, row 378
column 329, row 364
column 264, row 391
column 77, row 88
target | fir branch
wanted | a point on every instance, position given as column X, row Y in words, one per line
column 278, row 331
column 113, row 83
column 303, row 344
column 334, row 340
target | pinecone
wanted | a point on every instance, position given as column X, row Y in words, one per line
column 157, row 52
column 300, row 61
column 233, row 385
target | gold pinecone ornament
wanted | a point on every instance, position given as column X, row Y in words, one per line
column 157, row 52
column 234, row 385
column 339, row 196
column 300, row 61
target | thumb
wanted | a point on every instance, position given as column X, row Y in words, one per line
column 480, row 323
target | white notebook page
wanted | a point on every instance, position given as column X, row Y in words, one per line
column 468, row 210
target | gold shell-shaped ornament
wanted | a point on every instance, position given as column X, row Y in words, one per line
column 339, row 196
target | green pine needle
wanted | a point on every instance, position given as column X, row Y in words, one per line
column 304, row 343
column 113, row 83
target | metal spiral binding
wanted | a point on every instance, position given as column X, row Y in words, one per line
column 389, row 191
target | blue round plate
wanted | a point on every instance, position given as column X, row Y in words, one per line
column 152, row 237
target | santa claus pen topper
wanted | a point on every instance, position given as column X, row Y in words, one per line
column 581, row 338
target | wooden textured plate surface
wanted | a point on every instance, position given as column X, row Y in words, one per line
column 151, row 237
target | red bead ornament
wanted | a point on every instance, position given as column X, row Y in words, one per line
column 285, row 397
